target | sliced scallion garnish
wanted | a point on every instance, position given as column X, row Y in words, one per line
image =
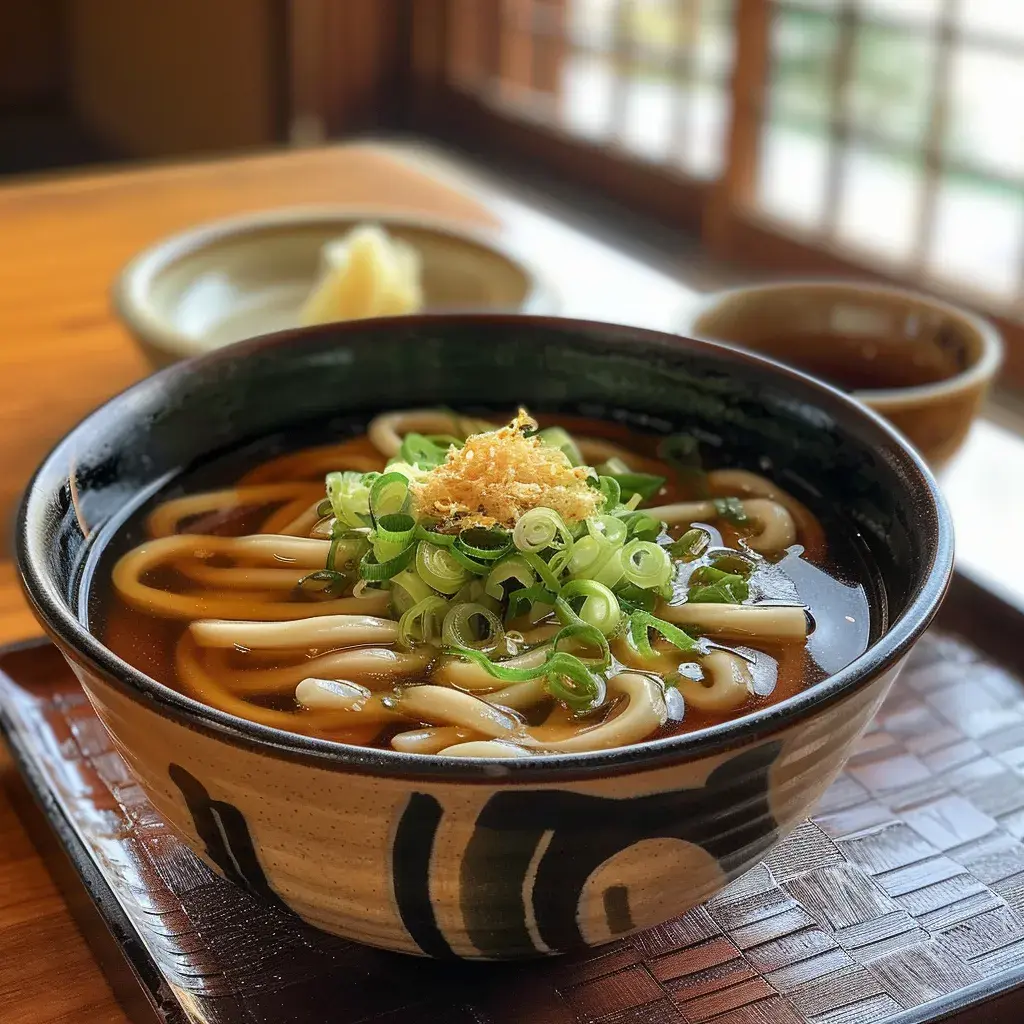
column 423, row 622
column 436, row 566
column 389, row 495
column 646, row 565
column 374, row 572
column 464, row 622
column 731, row 510
column 639, row 624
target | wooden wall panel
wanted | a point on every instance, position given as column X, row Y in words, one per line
column 161, row 79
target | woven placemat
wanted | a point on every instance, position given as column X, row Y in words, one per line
column 902, row 899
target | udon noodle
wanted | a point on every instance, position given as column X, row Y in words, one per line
column 470, row 590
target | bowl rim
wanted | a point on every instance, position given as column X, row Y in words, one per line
column 62, row 623
column 979, row 372
column 131, row 289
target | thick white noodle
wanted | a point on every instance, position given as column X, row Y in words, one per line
column 748, row 622
column 387, row 430
column 776, row 530
column 727, row 683
column 431, row 739
column 484, row 748
column 373, row 665
column 467, row 675
column 163, row 521
column 644, row 714
column 440, row 705
column 322, row 631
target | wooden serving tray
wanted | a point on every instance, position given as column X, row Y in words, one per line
column 901, row 900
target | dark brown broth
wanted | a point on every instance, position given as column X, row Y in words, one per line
column 829, row 586
column 861, row 364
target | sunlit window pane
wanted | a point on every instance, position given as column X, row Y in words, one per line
column 708, row 118
column 792, row 174
column 880, row 201
column 987, row 104
column 654, row 29
column 648, row 115
column 716, row 42
column 999, row 18
column 917, row 11
column 803, row 46
column 588, row 82
column 591, row 23
column 978, row 237
column 890, row 86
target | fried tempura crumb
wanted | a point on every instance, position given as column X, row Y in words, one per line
column 499, row 475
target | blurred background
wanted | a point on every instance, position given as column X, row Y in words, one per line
column 878, row 136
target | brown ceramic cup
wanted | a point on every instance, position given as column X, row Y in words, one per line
column 923, row 364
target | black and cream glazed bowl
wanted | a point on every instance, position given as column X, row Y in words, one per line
column 484, row 858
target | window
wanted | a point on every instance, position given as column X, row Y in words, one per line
column 878, row 136
column 890, row 129
column 647, row 77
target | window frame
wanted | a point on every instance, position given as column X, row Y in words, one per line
column 723, row 212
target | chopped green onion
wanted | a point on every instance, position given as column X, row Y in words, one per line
column 393, row 534
column 349, row 496
column 541, row 528
column 709, row 585
column 588, row 553
column 731, row 510
column 514, row 569
column 543, row 570
column 374, row 572
column 422, row 452
column 646, row 565
column 335, row 582
column 609, row 528
column 646, row 485
column 495, row 669
column 600, row 607
column 407, row 589
column 459, row 629
column 569, row 680
column 610, row 571
column 484, row 545
column 436, row 566
column 691, row 545
column 347, row 542
column 389, row 495
column 442, row 540
column 423, row 622
column 589, row 636
column 566, row 677
column 633, row 598
column 733, row 562
column 325, row 508
column 471, row 565
column 521, row 602
column 641, row 525
column 610, row 491
column 557, row 437
column 640, row 622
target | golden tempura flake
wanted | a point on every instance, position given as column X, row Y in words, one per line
column 499, row 475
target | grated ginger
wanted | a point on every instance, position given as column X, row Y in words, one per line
column 499, row 475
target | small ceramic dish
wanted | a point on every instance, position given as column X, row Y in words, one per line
column 870, row 334
column 477, row 857
column 229, row 280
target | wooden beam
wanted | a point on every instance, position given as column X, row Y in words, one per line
column 735, row 189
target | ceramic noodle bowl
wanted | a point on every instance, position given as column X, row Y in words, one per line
column 471, row 857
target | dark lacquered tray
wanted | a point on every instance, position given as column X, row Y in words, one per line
column 902, row 900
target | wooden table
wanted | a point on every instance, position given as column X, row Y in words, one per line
column 61, row 353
